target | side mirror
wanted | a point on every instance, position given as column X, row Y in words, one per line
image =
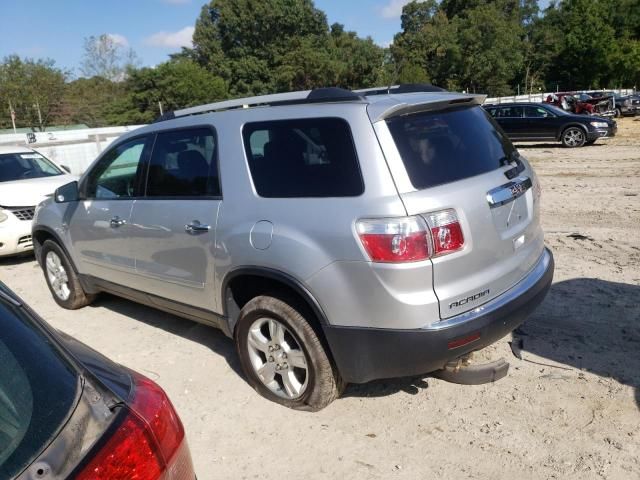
column 67, row 193
column 66, row 168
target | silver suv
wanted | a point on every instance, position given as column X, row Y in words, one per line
column 336, row 236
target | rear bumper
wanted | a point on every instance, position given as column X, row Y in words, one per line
column 364, row 354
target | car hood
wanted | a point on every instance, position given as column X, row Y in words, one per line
column 31, row 191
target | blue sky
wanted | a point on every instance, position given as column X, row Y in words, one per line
column 153, row 28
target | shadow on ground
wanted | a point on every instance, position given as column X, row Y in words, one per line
column 553, row 145
column 589, row 324
column 17, row 260
column 585, row 324
column 205, row 335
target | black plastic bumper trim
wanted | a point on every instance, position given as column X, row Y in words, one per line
column 365, row 354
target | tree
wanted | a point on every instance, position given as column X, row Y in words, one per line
column 89, row 100
column 34, row 88
column 176, row 84
column 106, row 57
column 262, row 46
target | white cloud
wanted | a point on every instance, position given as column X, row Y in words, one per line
column 118, row 39
column 181, row 38
column 393, row 9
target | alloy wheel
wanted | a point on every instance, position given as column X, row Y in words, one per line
column 57, row 275
column 277, row 358
column 573, row 137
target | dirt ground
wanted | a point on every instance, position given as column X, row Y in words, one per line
column 570, row 409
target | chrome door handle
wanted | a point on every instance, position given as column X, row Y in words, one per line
column 196, row 227
column 117, row 222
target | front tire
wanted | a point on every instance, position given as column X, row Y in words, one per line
column 283, row 357
column 61, row 279
column 573, row 137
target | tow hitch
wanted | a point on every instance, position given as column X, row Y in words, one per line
column 463, row 372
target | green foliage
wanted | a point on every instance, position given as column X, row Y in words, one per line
column 34, row 88
column 491, row 46
column 175, row 84
column 247, row 47
column 262, row 46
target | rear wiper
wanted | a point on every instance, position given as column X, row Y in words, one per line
column 515, row 171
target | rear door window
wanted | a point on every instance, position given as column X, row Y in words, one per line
column 303, row 158
column 184, row 163
column 450, row 145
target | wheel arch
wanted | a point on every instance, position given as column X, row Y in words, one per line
column 564, row 127
column 244, row 283
column 40, row 235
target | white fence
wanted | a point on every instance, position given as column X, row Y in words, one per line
column 540, row 97
column 75, row 149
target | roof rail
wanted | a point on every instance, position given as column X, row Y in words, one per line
column 319, row 95
column 402, row 88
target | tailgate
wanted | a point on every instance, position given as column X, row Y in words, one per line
column 459, row 159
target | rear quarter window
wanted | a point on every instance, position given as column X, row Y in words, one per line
column 447, row 146
column 303, row 158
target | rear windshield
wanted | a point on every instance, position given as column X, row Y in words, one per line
column 21, row 166
column 450, row 145
column 37, row 390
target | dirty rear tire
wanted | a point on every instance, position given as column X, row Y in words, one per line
column 323, row 385
column 77, row 298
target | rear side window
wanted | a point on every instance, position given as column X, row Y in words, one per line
column 508, row 112
column 446, row 146
column 303, row 158
column 184, row 164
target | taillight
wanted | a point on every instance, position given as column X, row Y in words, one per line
column 446, row 232
column 148, row 444
column 411, row 239
column 395, row 239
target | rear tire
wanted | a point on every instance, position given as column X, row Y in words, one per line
column 61, row 279
column 618, row 112
column 282, row 356
column 573, row 137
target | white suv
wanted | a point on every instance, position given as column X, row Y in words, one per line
column 26, row 178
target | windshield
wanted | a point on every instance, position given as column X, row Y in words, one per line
column 450, row 145
column 21, row 166
column 38, row 390
column 556, row 110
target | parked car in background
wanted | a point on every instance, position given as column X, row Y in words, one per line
column 624, row 105
column 581, row 104
column 68, row 412
column 26, row 178
column 336, row 236
column 532, row 122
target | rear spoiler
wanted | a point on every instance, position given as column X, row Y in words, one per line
column 414, row 103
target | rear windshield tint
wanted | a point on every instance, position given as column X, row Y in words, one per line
column 312, row 157
column 446, row 146
column 38, row 390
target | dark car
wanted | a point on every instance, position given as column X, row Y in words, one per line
column 68, row 412
column 527, row 122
